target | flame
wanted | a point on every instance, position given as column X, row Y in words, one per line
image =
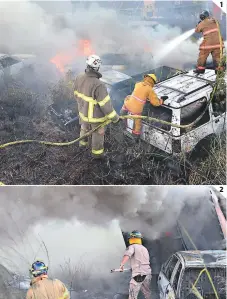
column 61, row 60
column 85, row 47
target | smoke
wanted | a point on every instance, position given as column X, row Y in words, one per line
column 133, row 206
column 78, row 227
column 33, row 30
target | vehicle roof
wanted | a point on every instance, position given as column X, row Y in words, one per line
column 199, row 258
column 111, row 77
column 180, row 88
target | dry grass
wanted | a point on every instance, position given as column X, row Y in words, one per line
column 23, row 115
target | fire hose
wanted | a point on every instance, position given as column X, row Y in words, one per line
column 107, row 122
column 119, row 270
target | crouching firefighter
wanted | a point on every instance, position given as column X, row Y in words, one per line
column 140, row 264
column 42, row 287
column 212, row 43
column 94, row 105
column 135, row 102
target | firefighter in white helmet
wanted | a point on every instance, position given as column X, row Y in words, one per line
column 140, row 264
column 94, row 104
column 42, row 287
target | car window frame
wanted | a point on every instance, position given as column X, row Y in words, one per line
column 178, row 264
column 195, row 128
column 157, row 128
column 167, row 266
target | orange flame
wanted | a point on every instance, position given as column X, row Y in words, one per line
column 61, row 60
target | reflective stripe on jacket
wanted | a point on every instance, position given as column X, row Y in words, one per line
column 94, row 103
column 209, row 29
column 43, row 287
column 142, row 93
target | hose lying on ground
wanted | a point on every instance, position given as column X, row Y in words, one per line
column 148, row 118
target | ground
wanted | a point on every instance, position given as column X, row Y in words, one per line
column 24, row 115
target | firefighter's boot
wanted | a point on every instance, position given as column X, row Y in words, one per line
column 199, row 71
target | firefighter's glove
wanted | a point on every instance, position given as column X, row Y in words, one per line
column 121, row 268
column 116, row 119
column 164, row 98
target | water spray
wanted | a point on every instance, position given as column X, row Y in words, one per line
column 170, row 46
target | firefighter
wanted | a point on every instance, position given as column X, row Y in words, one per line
column 135, row 102
column 42, row 287
column 94, row 105
column 211, row 43
column 140, row 264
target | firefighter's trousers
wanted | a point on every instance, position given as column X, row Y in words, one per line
column 203, row 55
column 135, row 287
column 97, row 138
column 137, row 123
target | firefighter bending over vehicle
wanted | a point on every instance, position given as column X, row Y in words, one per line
column 94, row 105
column 140, row 264
column 209, row 27
column 42, row 287
column 135, row 102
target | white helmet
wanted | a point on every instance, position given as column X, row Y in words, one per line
column 94, row 61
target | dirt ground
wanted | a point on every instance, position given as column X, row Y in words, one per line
column 24, row 115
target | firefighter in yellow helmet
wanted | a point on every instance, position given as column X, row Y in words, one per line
column 94, row 104
column 140, row 264
column 135, row 102
column 42, row 287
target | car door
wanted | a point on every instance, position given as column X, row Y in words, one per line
column 157, row 134
column 201, row 129
column 218, row 119
column 165, row 277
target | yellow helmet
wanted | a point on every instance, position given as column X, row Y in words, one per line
column 151, row 76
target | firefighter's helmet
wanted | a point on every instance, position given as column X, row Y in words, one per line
column 135, row 234
column 205, row 14
column 151, row 76
column 94, row 62
column 38, row 268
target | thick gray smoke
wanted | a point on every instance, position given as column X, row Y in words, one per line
column 24, row 206
column 27, row 28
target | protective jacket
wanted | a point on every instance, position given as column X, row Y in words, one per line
column 43, row 287
column 139, row 259
column 94, row 103
column 142, row 93
column 210, row 31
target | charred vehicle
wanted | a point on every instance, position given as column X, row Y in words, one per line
column 185, row 269
column 188, row 101
column 10, row 65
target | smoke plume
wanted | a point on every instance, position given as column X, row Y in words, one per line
column 35, row 30
column 132, row 206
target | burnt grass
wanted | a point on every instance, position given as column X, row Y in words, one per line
column 24, row 115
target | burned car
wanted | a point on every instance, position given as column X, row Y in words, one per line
column 11, row 65
column 185, row 270
column 188, row 99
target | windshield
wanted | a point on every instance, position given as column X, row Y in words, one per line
column 203, row 285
